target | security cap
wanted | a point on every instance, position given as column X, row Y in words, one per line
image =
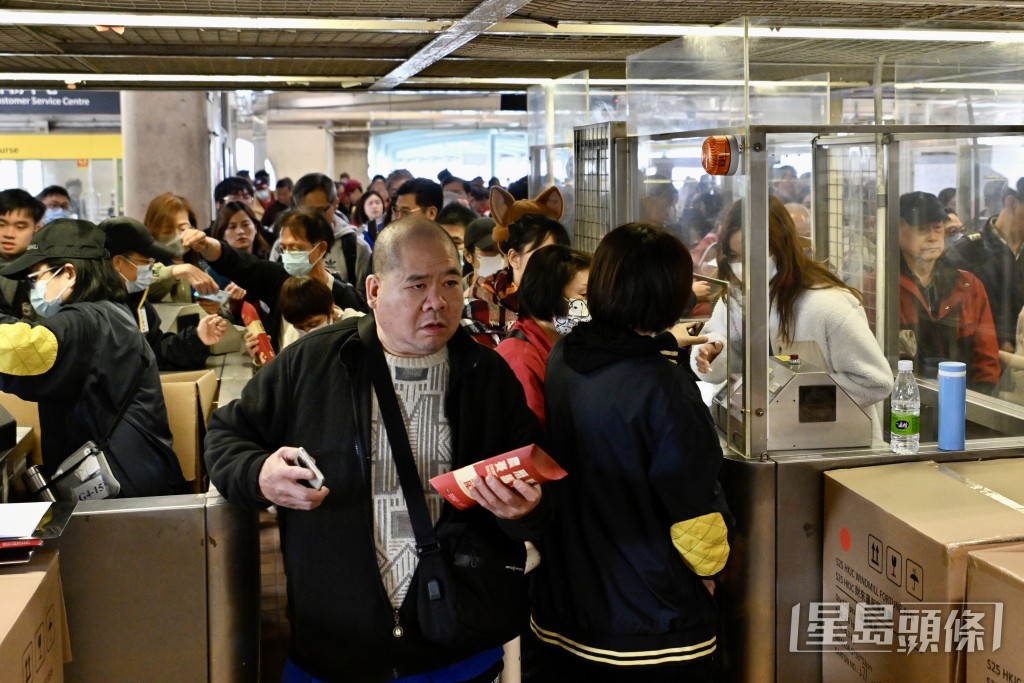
column 125, row 234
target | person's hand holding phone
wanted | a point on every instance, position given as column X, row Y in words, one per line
column 281, row 481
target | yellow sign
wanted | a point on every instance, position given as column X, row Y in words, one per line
column 60, row 146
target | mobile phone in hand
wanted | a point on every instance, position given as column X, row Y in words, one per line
column 220, row 297
column 303, row 459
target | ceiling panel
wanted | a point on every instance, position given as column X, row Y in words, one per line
column 208, row 37
column 318, row 52
column 48, row 64
column 703, row 12
column 228, row 66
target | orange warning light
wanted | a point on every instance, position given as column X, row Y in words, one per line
column 719, row 155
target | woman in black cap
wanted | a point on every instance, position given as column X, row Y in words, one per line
column 85, row 360
column 133, row 253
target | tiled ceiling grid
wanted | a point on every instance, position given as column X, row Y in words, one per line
column 514, row 54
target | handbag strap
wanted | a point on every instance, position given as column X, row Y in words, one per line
column 126, row 402
column 398, row 437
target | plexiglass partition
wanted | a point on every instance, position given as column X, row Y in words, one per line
column 842, row 187
column 961, row 84
column 838, row 148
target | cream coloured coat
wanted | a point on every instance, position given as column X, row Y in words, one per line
column 836, row 322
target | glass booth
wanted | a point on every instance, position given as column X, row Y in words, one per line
column 832, row 144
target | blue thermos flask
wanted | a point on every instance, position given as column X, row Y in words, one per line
column 952, row 405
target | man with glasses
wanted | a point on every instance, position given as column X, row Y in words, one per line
column 21, row 216
column 395, row 180
column 233, row 189
column 944, row 311
column 133, row 253
column 419, row 196
column 349, row 256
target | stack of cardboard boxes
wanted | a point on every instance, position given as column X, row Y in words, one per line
column 904, row 546
column 34, row 642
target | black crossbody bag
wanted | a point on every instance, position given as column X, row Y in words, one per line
column 469, row 589
column 86, row 474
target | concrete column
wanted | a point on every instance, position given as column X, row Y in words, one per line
column 166, row 149
column 351, row 153
column 298, row 150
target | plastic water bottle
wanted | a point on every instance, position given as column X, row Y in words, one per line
column 905, row 423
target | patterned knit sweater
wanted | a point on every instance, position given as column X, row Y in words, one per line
column 420, row 384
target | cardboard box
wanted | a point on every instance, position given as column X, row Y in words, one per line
column 995, row 478
column 34, row 641
column 26, row 414
column 997, row 576
column 189, row 397
column 175, row 317
column 899, row 535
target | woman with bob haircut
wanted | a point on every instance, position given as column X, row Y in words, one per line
column 307, row 305
column 808, row 304
column 621, row 593
column 81, row 361
column 552, row 301
column 168, row 216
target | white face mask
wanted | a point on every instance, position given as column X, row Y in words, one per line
column 47, row 308
column 737, row 269
column 297, row 264
column 489, row 265
column 578, row 313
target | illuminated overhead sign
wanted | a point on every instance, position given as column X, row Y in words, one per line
column 61, row 146
column 59, row 102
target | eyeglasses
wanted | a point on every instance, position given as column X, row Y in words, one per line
column 34, row 277
column 141, row 262
column 403, row 211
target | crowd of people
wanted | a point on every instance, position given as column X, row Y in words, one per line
column 426, row 278
column 495, row 333
column 961, row 287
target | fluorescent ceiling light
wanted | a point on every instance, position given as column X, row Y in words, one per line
column 950, row 85
column 568, row 28
column 506, row 27
column 78, row 78
column 51, row 18
column 457, row 80
column 929, row 35
column 353, row 81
